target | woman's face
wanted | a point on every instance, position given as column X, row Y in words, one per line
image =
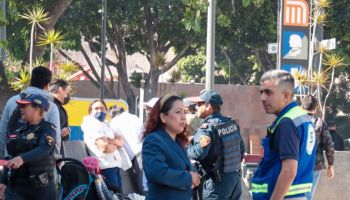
column 175, row 120
column 97, row 107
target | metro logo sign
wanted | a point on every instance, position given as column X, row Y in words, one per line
column 296, row 13
column 294, row 36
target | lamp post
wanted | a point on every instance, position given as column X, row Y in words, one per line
column 142, row 97
column 209, row 75
column 103, row 47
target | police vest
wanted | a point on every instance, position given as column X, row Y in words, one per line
column 26, row 139
column 265, row 177
column 231, row 140
column 225, row 152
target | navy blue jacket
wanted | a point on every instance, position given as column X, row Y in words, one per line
column 167, row 167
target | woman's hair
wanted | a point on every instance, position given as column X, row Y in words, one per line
column 95, row 101
column 163, row 105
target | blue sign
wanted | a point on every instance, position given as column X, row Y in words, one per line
column 294, row 45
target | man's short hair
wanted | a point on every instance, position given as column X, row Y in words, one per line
column 57, row 84
column 331, row 124
column 309, row 103
column 115, row 110
column 284, row 78
column 41, row 77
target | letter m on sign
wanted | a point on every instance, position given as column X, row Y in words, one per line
column 296, row 13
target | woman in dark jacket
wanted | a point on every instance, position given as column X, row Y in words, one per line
column 166, row 165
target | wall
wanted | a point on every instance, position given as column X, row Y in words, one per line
column 240, row 102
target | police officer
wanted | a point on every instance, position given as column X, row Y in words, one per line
column 29, row 172
column 218, row 147
column 286, row 169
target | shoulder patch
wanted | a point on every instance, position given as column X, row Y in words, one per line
column 204, row 141
column 205, row 125
column 50, row 141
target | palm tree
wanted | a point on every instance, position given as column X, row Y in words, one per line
column 50, row 37
column 66, row 69
column 333, row 61
column 35, row 16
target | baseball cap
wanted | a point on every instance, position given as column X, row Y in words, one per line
column 34, row 99
column 208, row 96
column 188, row 102
column 151, row 102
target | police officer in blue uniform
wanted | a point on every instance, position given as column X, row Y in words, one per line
column 286, row 169
column 29, row 174
column 218, row 147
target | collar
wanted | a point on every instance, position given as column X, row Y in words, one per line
column 213, row 115
column 284, row 111
column 57, row 101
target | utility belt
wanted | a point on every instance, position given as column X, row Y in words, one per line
column 39, row 180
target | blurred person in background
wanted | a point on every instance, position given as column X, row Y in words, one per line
column 337, row 139
column 192, row 120
column 323, row 142
column 60, row 90
column 130, row 127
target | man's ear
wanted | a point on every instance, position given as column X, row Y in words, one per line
column 46, row 88
column 208, row 107
column 162, row 118
column 287, row 94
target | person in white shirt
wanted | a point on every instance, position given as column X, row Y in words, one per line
column 105, row 145
column 130, row 127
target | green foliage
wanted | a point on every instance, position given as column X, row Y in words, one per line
column 135, row 79
column 175, row 76
column 21, row 81
column 192, row 68
column 50, row 37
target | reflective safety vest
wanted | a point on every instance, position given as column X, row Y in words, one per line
column 265, row 177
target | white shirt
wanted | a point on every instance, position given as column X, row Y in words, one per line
column 131, row 128
column 94, row 129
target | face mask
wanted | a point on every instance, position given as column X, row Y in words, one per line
column 66, row 100
column 101, row 116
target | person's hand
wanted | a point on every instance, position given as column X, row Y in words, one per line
column 101, row 143
column 15, row 162
column 196, row 179
column 117, row 141
column 2, row 191
column 110, row 148
column 65, row 132
column 330, row 172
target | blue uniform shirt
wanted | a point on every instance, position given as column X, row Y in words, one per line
column 202, row 140
column 199, row 147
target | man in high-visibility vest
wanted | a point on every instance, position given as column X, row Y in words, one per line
column 286, row 169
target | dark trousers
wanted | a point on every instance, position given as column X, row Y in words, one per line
column 23, row 190
column 229, row 188
column 112, row 179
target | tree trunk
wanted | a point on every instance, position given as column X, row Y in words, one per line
column 55, row 10
column 151, row 84
column 6, row 91
column 264, row 60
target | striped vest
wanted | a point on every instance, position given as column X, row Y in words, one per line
column 266, row 175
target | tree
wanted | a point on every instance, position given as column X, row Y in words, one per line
column 192, row 68
column 51, row 37
column 35, row 16
column 152, row 28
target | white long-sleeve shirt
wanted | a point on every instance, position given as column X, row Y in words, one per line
column 94, row 129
